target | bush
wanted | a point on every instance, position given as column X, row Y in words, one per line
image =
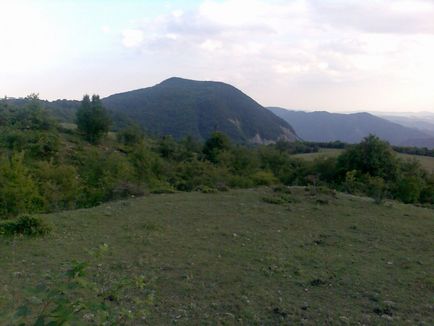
column 408, row 189
column 161, row 187
column 25, row 225
column 59, row 184
column 278, row 200
column 18, row 191
column 372, row 156
column 264, row 178
column 376, row 188
column 206, row 190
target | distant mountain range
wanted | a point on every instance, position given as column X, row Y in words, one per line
column 424, row 123
column 181, row 107
column 323, row 126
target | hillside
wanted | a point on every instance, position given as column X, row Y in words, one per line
column 323, row 126
column 181, row 107
column 230, row 258
column 423, row 121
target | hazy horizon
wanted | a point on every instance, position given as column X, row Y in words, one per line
column 309, row 55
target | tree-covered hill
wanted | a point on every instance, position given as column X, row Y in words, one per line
column 181, row 107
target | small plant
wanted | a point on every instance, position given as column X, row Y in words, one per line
column 161, row 188
column 25, row 225
column 278, row 200
column 206, row 190
column 88, row 293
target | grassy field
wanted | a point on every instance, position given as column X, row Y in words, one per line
column 232, row 258
column 426, row 161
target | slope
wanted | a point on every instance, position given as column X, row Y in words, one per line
column 350, row 128
column 230, row 258
column 181, row 107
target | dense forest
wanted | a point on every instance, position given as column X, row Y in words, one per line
column 46, row 166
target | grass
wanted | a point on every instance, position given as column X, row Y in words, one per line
column 232, row 258
column 427, row 162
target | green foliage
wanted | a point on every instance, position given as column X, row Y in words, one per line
column 215, row 146
column 25, row 225
column 131, row 135
column 88, row 293
column 376, row 188
column 92, row 119
column 372, row 156
column 101, row 173
column 264, row 178
column 45, row 168
column 59, row 184
column 18, row 191
column 408, row 189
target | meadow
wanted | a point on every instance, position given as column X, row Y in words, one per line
column 427, row 162
column 238, row 257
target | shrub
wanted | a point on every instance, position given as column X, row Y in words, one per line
column 376, row 188
column 264, row 178
column 130, row 135
column 59, row 185
column 206, row 190
column 408, row 189
column 25, row 225
column 161, row 187
column 18, row 191
column 372, row 156
column 278, row 200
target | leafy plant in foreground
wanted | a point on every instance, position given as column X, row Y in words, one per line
column 88, row 293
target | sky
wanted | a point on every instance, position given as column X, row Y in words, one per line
column 336, row 55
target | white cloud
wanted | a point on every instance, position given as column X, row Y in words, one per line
column 211, row 45
column 311, row 44
column 132, row 38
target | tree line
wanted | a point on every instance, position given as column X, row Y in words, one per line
column 46, row 166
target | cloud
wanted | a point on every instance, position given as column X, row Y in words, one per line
column 389, row 16
column 267, row 47
column 132, row 38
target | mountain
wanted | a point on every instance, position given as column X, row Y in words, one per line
column 323, row 126
column 423, row 123
column 181, row 107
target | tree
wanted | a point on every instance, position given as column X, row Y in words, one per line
column 92, row 119
column 215, row 145
column 372, row 156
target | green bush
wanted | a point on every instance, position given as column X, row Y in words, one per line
column 376, row 188
column 59, row 184
column 25, row 225
column 408, row 189
column 206, row 190
column 264, row 178
column 18, row 191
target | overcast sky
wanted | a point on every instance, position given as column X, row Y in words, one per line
column 339, row 55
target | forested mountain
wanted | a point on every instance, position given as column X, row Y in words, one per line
column 181, row 107
column 323, row 126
